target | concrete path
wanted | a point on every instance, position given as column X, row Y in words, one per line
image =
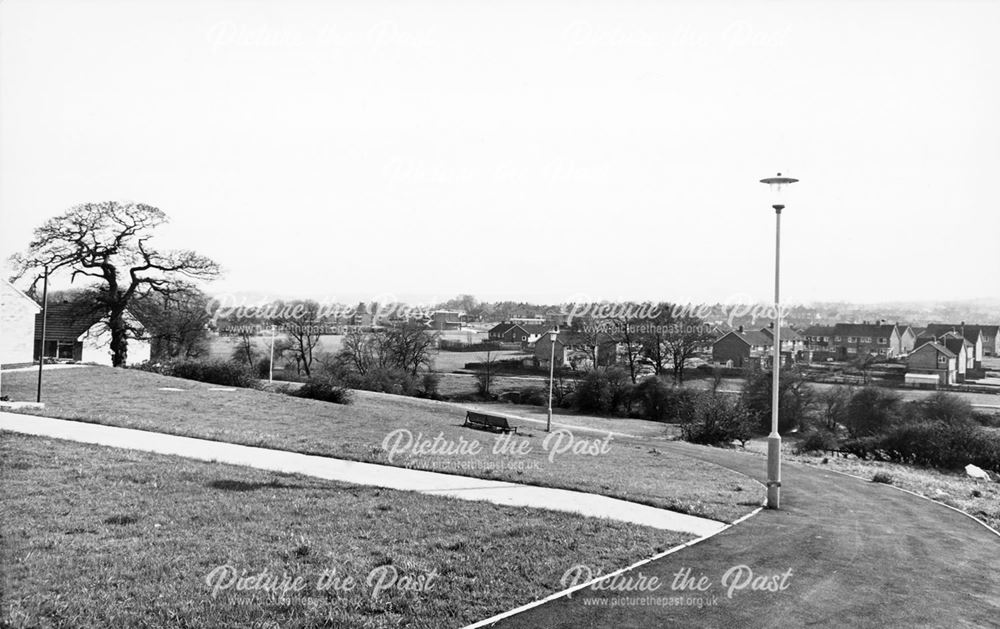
column 857, row 554
column 434, row 483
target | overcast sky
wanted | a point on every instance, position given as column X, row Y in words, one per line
column 524, row 150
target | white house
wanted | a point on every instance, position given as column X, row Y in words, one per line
column 17, row 323
column 72, row 334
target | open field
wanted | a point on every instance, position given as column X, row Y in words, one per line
column 450, row 361
column 100, row 537
column 376, row 428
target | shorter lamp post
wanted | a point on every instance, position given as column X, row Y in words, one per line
column 774, row 439
column 553, row 335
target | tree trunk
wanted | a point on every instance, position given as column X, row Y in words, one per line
column 119, row 339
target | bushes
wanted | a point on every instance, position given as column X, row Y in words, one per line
column 606, row 392
column 221, row 372
column 872, row 411
column 324, row 390
column 716, row 420
column 817, row 440
column 931, row 444
column 882, row 477
column 661, row 402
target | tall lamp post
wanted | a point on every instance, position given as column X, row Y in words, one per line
column 41, row 347
column 777, row 184
column 553, row 335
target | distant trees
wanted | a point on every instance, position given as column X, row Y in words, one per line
column 109, row 244
column 406, row 347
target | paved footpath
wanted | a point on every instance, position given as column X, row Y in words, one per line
column 435, row 483
column 861, row 554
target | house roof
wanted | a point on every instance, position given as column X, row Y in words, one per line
column 954, row 344
column 536, row 328
column 752, row 338
column 501, row 327
column 787, row 334
column 971, row 332
column 65, row 321
column 19, row 293
column 818, row 330
column 937, row 347
column 864, row 329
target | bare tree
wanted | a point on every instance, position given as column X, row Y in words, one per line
column 485, row 374
column 245, row 350
column 684, row 338
column 302, row 325
column 109, row 243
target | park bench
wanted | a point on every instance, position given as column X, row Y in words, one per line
column 493, row 423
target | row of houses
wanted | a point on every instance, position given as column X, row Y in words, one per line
column 949, row 353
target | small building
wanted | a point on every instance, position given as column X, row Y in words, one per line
column 74, row 334
column 443, row 320
column 934, row 359
column 17, row 324
column 741, row 349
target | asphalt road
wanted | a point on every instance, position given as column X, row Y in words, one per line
column 860, row 554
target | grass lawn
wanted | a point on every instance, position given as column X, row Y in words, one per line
column 952, row 488
column 627, row 470
column 101, row 537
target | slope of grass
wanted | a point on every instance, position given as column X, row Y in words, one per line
column 99, row 537
column 631, row 471
column 977, row 497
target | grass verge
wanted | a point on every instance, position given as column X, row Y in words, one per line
column 976, row 497
column 100, row 537
column 623, row 469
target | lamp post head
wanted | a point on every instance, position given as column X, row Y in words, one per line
column 777, row 185
column 553, row 335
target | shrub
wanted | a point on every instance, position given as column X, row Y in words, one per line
column 882, row 477
column 664, row 403
column 717, row 420
column 607, row 392
column 945, row 407
column 535, row 396
column 325, row 390
column 221, row 372
column 817, row 441
column 931, row 444
column 429, row 385
column 873, row 411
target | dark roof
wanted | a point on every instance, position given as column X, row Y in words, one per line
column 818, row 330
column 750, row 337
column 938, row 348
column 969, row 331
column 954, row 344
column 863, row 329
column 502, row 327
column 65, row 321
column 536, row 328
column 787, row 334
